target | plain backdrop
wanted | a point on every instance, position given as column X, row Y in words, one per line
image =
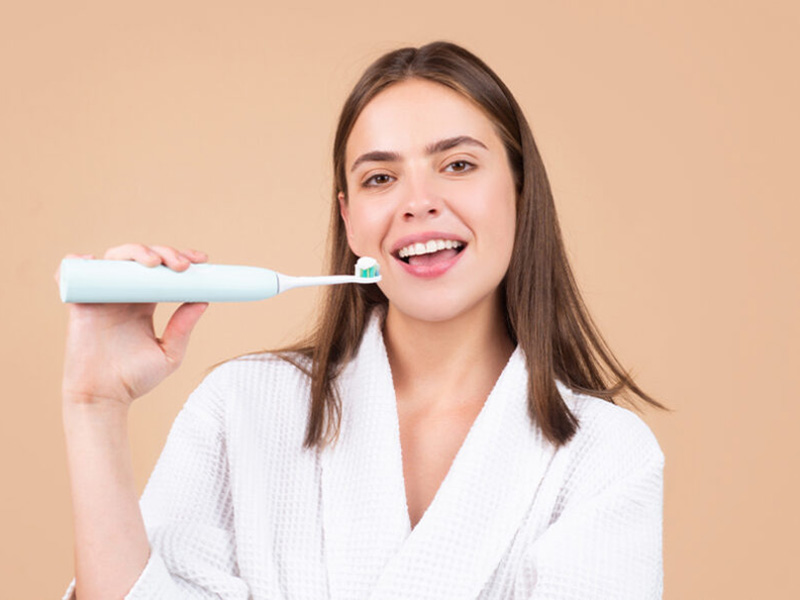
column 670, row 134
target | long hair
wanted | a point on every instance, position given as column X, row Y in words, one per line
column 544, row 312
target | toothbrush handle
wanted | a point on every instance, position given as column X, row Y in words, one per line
column 118, row 281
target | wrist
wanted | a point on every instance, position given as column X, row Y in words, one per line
column 90, row 400
column 102, row 411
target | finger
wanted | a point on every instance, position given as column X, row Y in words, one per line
column 180, row 325
column 138, row 252
column 173, row 258
column 195, row 255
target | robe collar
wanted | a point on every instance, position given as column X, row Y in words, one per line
column 370, row 549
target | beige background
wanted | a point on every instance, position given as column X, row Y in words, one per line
column 670, row 132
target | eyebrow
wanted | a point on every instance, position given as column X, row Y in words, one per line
column 434, row 148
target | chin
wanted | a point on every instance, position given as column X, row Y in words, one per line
column 438, row 314
column 436, row 308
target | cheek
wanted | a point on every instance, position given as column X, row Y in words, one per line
column 509, row 227
column 496, row 213
column 368, row 225
column 507, row 211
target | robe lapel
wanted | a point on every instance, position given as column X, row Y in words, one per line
column 365, row 517
column 482, row 502
column 370, row 549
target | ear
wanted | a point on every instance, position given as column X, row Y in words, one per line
column 343, row 210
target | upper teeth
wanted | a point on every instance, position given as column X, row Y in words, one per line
column 428, row 247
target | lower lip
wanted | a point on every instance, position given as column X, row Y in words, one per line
column 431, row 271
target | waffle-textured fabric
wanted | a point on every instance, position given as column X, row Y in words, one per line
column 236, row 508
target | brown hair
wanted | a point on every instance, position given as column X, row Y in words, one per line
column 545, row 314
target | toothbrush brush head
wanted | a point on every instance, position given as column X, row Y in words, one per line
column 367, row 268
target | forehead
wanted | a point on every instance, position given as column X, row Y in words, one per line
column 408, row 116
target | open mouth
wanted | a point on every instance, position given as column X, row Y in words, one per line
column 431, row 252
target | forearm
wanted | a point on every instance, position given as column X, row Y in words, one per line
column 111, row 546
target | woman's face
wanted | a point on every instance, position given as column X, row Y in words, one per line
column 431, row 196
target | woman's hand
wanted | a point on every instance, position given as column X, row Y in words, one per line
column 112, row 353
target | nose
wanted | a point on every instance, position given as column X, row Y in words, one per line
column 420, row 202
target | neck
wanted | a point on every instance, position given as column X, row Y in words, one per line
column 446, row 364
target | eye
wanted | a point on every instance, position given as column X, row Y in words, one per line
column 377, row 180
column 459, row 166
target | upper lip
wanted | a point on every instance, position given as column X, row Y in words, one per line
column 422, row 238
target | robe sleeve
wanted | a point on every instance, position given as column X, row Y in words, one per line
column 607, row 540
column 188, row 512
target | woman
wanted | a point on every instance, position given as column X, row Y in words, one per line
column 449, row 433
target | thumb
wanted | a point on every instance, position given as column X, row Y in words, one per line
column 180, row 325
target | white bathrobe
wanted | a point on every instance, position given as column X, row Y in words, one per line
column 235, row 508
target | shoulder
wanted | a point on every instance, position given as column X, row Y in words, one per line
column 256, row 369
column 603, row 424
column 612, row 443
column 251, row 380
column 616, row 429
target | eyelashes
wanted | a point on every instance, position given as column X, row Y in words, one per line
column 465, row 165
column 374, row 180
column 381, row 179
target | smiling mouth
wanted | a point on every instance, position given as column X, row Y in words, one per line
column 430, row 252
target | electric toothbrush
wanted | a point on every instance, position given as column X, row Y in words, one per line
column 117, row 281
